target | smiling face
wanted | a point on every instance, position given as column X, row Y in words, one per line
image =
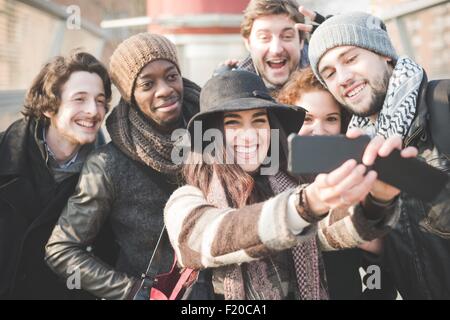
column 82, row 109
column 357, row 78
column 247, row 137
column 323, row 116
column 159, row 93
column 274, row 46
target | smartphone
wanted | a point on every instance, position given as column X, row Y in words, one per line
column 323, row 154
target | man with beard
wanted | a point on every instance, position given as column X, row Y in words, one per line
column 352, row 55
column 274, row 34
column 128, row 181
column 41, row 157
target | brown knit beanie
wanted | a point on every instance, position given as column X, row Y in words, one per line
column 135, row 53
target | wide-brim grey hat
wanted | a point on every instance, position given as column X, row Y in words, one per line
column 240, row 90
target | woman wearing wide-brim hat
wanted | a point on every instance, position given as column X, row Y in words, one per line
column 258, row 232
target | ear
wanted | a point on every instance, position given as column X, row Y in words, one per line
column 48, row 114
column 247, row 43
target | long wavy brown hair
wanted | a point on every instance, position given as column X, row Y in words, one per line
column 241, row 188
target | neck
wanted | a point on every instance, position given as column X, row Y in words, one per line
column 166, row 128
column 62, row 149
column 373, row 118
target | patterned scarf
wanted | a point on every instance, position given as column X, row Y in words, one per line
column 135, row 135
column 308, row 263
column 399, row 107
column 308, row 268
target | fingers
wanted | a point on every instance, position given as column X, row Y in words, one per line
column 325, row 180
column 379, row 147
column 361, row 190
column 304, row 27
column 339, row 187
column 231, row 63
column 371, row 151
column 390, row 144
column 354, row 133
column 409, row 152
column 307, row 13
column 350, row 191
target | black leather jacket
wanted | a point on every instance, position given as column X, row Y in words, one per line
column 417, row 251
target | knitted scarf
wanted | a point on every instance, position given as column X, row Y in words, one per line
column 305, row 257
column 399, row 107
column 135, row 135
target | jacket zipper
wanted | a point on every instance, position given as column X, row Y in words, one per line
column 413, row 136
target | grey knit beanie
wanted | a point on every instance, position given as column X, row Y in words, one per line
column 358, row 29
column 135, row 53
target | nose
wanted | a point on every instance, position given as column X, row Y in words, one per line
column 90, row 107
column 275, row 46
column 247, row 136
column 344, row 76
column 318, row 129
column 163, row 89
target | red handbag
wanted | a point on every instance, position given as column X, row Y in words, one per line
column 171, row 285
column 165, row 286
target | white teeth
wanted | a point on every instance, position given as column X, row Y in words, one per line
column 246, row 149
column 355, row 91
column 87, row 124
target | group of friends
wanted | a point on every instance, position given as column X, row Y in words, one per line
column 71, row 204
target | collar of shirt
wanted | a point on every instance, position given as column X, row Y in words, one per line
column 53, row 160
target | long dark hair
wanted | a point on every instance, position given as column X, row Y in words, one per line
column 241, row 188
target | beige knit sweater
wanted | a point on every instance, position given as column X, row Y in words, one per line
column 204, row 236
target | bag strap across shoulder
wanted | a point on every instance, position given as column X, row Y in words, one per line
column 148, row 278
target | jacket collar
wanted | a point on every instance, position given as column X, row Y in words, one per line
column 420, row 119
column 13, row 148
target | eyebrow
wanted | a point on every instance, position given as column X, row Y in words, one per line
column 338, row 58
column 268, row 30
column 84, row 92
column 149, row 75
column 235, row 115
column 259, row 114
column 232, row 115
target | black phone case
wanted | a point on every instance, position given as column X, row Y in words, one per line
column 323, row 154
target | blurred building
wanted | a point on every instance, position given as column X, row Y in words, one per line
column 421, row 30
column 206, row 32
column 32, row 31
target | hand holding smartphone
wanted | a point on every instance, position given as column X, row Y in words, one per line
column 323, row 154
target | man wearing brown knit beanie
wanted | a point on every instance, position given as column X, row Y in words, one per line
column 127, row 182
